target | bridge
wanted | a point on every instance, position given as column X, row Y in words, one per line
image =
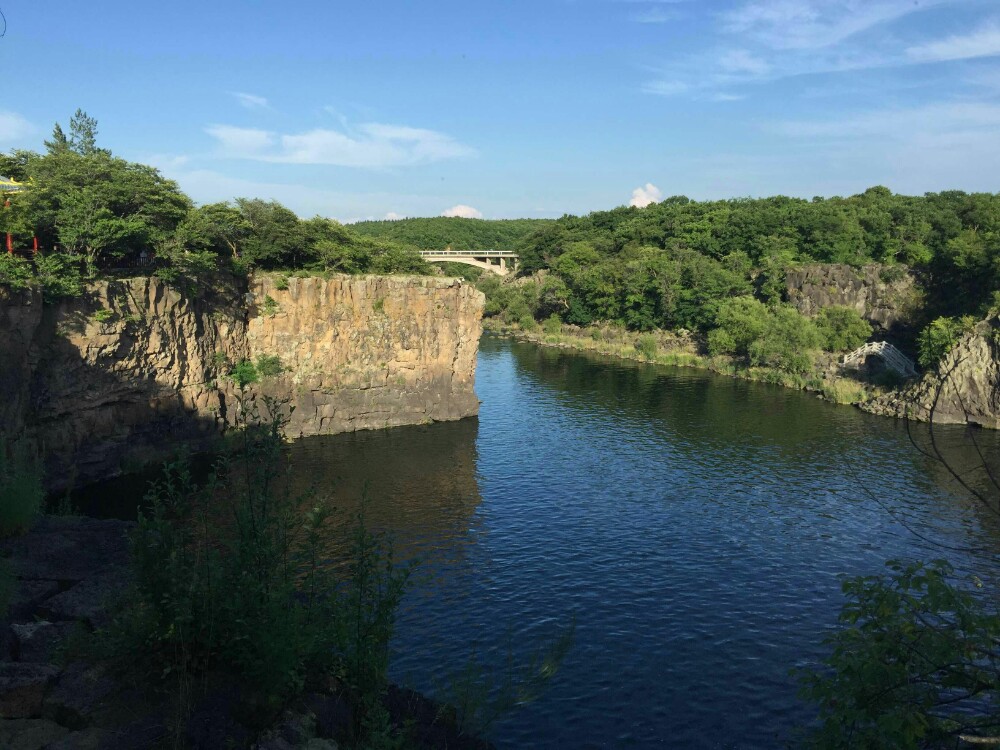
column 892, row 357
column 478, row 258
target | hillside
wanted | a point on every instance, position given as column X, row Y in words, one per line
column 461, row 234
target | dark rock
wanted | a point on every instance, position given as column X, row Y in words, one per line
column 22, row 689
column 29, row 734
column 334, row 717
column 86, row 739
column 28, row 595
column 68, row 549
column 90, row 600
column 81, row 692
column 37, row 642
column 429, row 724
column 149, row 731
column 212, row 723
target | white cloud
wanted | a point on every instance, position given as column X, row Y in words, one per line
column 463, row 211
column 250, row 101
column 665, row 88
column 723, row 96
column 656, row 15
column 937, row 119
column 645, row 195
column 375, row 145
column 13, row 127
column 741, row 61
column 244, row 142
column 814, row 24
column 983, row 42
column 393, row 216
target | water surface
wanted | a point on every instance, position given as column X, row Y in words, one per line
column 695, row 528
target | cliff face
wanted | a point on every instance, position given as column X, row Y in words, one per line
column 970, row 392
column 135, row 367
column 363, row 352
column 882, row 295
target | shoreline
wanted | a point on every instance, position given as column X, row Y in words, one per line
column 679, row 350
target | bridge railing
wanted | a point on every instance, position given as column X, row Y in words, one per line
column 889, row 354
column 468, row 254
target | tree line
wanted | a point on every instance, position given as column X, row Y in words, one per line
column 84, row 204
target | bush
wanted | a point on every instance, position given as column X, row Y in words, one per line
column 914, row 665
column 15, row 272
column 842, row 328
column 21, row 489
column 552, row 324
column 776, row 337
column 58, row 275
column 233, row 579
column 647, row 346
column 939, row 338
column 269, row 366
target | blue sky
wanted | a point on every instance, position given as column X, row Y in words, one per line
column 520, row 108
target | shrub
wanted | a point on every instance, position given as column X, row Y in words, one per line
column 15, row 272
column 552, row 324
column 21, row 488
column 842, row 328
column 102, row 316
column 59, row 276
column 914, row 664
column 244, row 374
column 281, row 283
column 939, row 338
column 647, row 346
column 776, row 337
column 269, row 366
column 233, row 579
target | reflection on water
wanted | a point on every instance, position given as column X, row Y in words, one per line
column 694, row 526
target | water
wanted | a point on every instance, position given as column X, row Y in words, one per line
column 694, row 527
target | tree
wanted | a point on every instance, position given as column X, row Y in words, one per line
column 842, row 328
column 82, row 133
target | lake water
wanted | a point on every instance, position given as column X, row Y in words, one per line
column 694, row 527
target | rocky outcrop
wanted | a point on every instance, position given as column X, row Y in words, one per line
column 965, row 390
column 119, row 377
column 885, row 296
column 363, row 352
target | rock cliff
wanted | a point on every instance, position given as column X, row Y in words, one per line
column 966, row 386
column 122, row 375
column 883, row 295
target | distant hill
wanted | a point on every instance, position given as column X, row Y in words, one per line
column 440, row 232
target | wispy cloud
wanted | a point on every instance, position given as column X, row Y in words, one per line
column 463, row 211
column 983, row 42
column 370, row 145
column 14, row 127
column 655, row 14
column 814, row 24
column 933, row 119
column 250, row 101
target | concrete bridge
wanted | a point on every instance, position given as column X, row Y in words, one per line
column 506, row 260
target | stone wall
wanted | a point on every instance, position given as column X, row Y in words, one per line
column 124, row 374
column 884, row 296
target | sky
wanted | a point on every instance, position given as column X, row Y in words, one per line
column 516, row 108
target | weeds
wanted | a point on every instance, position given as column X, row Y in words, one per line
column 21, row 487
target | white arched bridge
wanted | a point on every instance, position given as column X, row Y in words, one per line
column 499, row 262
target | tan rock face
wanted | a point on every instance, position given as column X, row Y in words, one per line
column 363, row 352
column 136, row 367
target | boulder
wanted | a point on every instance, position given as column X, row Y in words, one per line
column 22, row 689
column 30, row 734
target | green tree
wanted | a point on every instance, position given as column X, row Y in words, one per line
column 842, row 328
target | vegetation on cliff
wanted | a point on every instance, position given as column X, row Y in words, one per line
column 95, row 212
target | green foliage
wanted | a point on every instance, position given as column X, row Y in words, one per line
column 233, row 578
column 21, row 487
column 437, row 233
column 270, row 307
column 552, row 324
column 647, row 346
column 103, row 315
column 939, row 338
column 777, row 337
column 281, row 283
column 842, row 328
column 58, row 274
column 914, row 664
column 244, row 374
column 269, row 366
column 15, row 273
